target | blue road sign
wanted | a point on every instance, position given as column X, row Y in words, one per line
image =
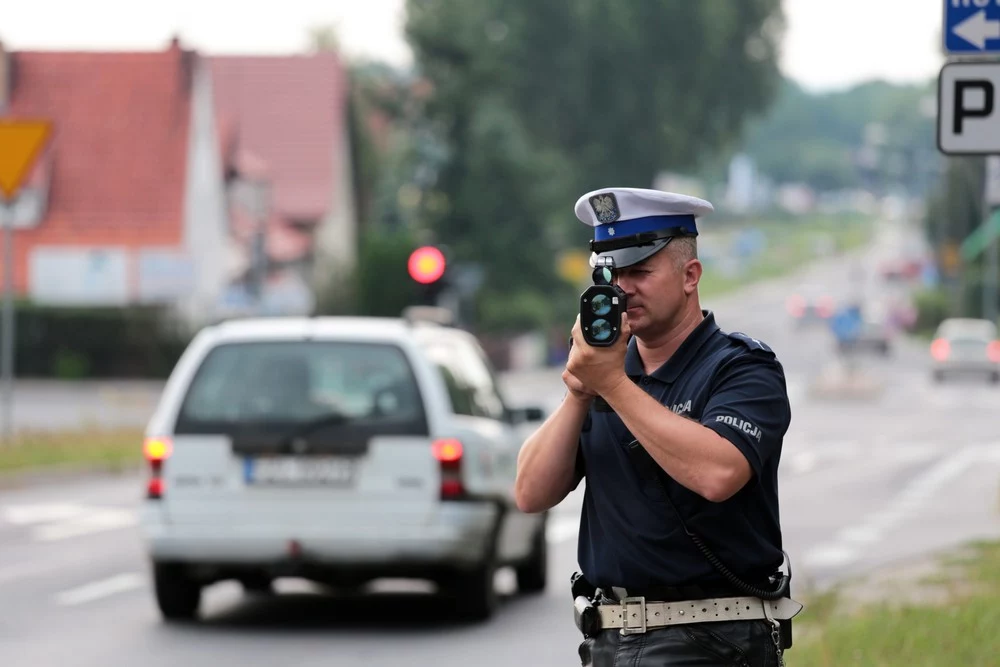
column 846, row 324
column 972, row 26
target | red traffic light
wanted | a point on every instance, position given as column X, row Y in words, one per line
column 426, row 265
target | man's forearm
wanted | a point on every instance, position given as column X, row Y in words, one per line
column 546, row 464
column 695, row 456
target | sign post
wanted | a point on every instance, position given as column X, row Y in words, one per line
column 21, row 142
column 969, row 120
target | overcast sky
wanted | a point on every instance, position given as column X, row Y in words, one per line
column 829, row 44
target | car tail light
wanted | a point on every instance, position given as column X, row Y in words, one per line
column 796, row 305
column 156, row 451
column 940, row 349
column 448, row 452
column 993, row 351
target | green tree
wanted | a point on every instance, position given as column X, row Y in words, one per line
column 622, row 89
column 876, row 135
column 538, row 101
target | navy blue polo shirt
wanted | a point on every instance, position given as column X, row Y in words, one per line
column 629, row 535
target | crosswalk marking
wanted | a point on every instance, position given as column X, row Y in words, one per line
column 50, row 522
column 22, row 515
column 93, row 522
column 96, row 590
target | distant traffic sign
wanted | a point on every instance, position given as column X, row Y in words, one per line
column 971, row 26
column 969, row 108
column 21, row 141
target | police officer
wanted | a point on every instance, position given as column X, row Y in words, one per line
column 680, row 542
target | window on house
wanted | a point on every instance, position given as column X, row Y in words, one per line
column 28, row 209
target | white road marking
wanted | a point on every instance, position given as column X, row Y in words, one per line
column 830, row 556
column 864, row 534
column 842, row 549
column 121, row 583
column 802, row 462
column 98, row 521
column 59, row 521
column 26, row 515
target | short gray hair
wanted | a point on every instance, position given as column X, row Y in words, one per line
column 684, row 249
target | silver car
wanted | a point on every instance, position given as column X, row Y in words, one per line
column 963, row 346
column 338, row 450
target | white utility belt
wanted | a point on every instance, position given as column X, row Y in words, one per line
column 634, row 615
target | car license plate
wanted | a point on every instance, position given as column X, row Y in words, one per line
column 300, row 471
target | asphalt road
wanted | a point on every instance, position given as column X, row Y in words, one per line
column 869, row 480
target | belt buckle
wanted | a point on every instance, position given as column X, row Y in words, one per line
column 630, row 629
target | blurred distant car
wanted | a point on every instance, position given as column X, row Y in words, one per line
column 338, row 450
column 901, row 269
column 874, row 335
column 966, row 346
column 810, row 305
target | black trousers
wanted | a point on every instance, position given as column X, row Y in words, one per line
column 727, row 644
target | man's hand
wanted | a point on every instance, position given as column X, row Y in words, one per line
column 598, row 369
column 579, row 391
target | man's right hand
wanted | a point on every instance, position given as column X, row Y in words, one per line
column 576, row 388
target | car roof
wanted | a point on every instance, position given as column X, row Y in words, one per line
column 344, row 328
column 326, row 327
column 967, row 325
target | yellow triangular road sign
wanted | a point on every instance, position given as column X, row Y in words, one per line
column 21, row 141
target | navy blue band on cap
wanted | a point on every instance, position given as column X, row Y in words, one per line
column 652, row 223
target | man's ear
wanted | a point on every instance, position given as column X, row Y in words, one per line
column 692, row 276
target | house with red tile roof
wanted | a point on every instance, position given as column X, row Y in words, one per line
column 285, row 145
column 127, row 204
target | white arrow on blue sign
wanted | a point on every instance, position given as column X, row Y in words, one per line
column 972, row 26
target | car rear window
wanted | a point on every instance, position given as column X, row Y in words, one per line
column 968, row 331
column 280, row 384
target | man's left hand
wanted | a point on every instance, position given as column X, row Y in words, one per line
column 600, row 368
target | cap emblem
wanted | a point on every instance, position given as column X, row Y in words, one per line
column 605, row 207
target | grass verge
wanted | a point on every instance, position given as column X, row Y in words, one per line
column 790, row 246
column 949, row 616
column 108, row 449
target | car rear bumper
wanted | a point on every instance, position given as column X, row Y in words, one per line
column 455, row 536
column 967, row 367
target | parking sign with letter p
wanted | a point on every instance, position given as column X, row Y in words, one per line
column 968, row 114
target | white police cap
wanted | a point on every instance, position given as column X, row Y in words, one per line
column 618, row 212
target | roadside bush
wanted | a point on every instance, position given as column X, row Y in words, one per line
column 933, row 306
column 76, row 343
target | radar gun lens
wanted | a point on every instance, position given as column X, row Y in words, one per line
column 600, row 330
column 601, row 305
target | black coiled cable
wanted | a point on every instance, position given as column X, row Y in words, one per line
column 784, row 581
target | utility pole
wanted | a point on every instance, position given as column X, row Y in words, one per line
column 7, row 334
column 21, row 142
